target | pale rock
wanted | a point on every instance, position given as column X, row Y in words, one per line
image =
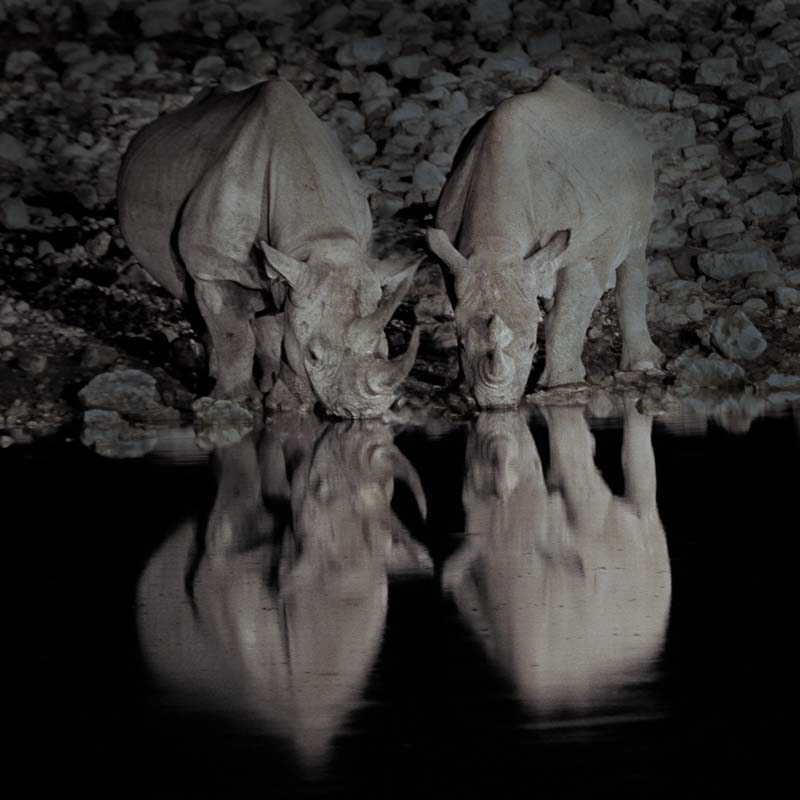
column 660, row 270
column 363, row 52
column 97, row 246
column 718, row 227
column 111, row 436
column 332, row 17
column 735, row 336
column 14, row 214
column 766, row 205
column 363, row 148
column 209, row 67
column 763, row 109
column 243, row 42
column 765, row 280
column 771, row 55
column 625, row 18
column 490, row 12
column 786, row 297
column 511, row 58
column 792, row 278
column 275, row 11
column 384, row 204
column 682, row 100
column 692, row 369
column 129, row 392
column 12, row 150
column 716, row 71
column 407, row 110
column 413, row 66
column 544, row 45
column 726, row 266
column 791, row 132
column 161, row 16
column 428, row 177
column 755, row 305
column 647, row 94
column 18, row 62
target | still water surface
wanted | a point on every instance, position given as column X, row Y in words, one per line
column 527, row 605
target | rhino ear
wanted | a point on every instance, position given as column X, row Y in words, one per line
column 278, row 266
column 440, row 244
column 543, row 264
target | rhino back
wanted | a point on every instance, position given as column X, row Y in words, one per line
column 551, row 159
column 198, row 187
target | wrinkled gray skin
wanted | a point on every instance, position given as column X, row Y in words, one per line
column 568, row 584
column 271, row 609
column 550, row 196
column 236, row 198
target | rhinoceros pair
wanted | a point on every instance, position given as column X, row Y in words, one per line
column 244, row 207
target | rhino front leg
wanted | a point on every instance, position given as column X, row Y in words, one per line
column 638, row 350
column 578, row 291
column 268, row 332
column 226, row 309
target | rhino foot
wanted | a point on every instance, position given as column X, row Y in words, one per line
column 649, row 358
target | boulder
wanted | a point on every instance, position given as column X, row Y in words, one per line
column 130, row 392
column 735, row 336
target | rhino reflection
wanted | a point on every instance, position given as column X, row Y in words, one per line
column 567, row 584
column 273, row 611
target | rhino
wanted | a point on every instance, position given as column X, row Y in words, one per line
column 550, row 196
column 270, row 608
column 243, row 206
column 567, row 584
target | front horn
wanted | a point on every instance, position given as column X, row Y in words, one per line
column 386, row 376
column 362, row 332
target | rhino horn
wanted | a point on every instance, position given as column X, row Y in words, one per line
column 499, row 333
column 499, row 367
column 363, row 332
column 386, row 376
column 279, row 265
column 403, row 470
column 439, row 242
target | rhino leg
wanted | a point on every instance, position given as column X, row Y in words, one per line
column 638, row 350
column 226, row 309
column 577, row 293
column 268, row 332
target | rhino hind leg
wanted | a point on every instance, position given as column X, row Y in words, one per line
column 226, row 309
column 577, row 293
column 638, row 350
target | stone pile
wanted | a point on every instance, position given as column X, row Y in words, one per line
column 714, row 84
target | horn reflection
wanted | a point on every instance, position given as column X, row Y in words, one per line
column 565, row 584
column 272, row 608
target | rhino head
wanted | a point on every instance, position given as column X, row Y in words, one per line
column 494, row 294
column 334, row 340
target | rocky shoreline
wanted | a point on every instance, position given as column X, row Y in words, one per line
column 714, row 85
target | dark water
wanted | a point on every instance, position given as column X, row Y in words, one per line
column 543, row 607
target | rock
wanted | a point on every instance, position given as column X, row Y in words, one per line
column 694, row 370
column 72, row 52
column 660, row 270
column 771, row 55
column 786, row 297
column 791, row 132
column 755, row 305
column 428, row 177
column 764, row 206
column 331, row 18
column 18, row 62
column 763, row 109
column 209, row 67
column 161, row 16
column 243, row 42
column 647, row 94
column 792, row 278
column 6, row 339
column 764, row 280
column 97, row 246
column 385, row 204
column 726, row 266
column 113, row 437
column 490, row 12
column 407, row 110
column 363, row 148
column 625, row 18
column 413, row 66
column 129, row 392
column 718, row 227
column 681, row 100
column 12, row 150
column 544, row 45
column 735, row 336
column 33, row 363
column 716, row 71
column 220, row 422
column 363, row 52
column 14, row 214
column 98, row 356
column 511, row 58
